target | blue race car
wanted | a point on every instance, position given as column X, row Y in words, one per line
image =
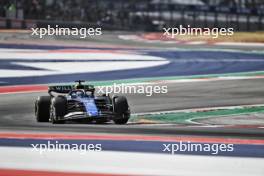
column 78, row 102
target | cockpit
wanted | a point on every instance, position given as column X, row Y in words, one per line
column 80, row 94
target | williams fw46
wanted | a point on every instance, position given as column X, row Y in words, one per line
column 79, row 102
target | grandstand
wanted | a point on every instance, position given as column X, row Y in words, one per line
column 243, row 15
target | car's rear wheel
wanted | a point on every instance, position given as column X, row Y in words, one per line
column 42, row 108
column 121, row 109
column 58, row 109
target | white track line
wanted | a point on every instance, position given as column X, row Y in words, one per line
column 239, row 44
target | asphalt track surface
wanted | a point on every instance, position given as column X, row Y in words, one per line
column 17, row 117
column 17, row 110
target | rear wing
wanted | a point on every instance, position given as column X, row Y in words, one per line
column 61, row 88
column 64, row 89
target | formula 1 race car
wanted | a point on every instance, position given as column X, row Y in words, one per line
column 78, row 102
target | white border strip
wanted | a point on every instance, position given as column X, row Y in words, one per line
column 129, row 163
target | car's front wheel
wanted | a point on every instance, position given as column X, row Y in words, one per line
column 58, row 109
column 121, row 121
column 121, row 109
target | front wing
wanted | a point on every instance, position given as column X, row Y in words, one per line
column 85, row 115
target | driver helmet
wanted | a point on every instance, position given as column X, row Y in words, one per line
column 79, row 94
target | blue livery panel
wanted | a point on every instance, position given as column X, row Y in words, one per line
column 90, row 106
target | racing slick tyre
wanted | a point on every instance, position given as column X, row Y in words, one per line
column 42, row 108
column 121, row 108
column 58, row 109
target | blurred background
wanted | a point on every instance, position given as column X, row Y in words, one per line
column 136, row 15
